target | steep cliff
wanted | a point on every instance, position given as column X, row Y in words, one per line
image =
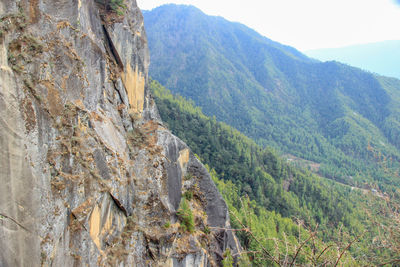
column 89, row 174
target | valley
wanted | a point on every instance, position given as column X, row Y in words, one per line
column 302, row 140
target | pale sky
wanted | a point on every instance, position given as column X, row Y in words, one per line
column 307, row 24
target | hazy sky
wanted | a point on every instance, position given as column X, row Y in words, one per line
column 307, row 24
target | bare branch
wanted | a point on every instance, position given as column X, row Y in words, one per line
column 390, row 262
column 323, row 251
column 301, row 246
column 348, row 246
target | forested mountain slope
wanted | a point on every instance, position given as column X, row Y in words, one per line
column 271, row 197
column 338, row 116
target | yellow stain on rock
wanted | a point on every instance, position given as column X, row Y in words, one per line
column 134, row 83
column 98, row 226
column 94, row 224
column 183, row 159
column 107, row 225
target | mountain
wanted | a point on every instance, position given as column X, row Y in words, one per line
column 270, row 196
column 381, row 57
column 89, row 174
column 343, row 119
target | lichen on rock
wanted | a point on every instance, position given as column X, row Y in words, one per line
column 90, row 176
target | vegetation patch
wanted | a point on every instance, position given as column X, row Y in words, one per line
column 187, row 177
column 12, row 21
column 185, row 215
column 188, row 195
column 135, row 138
column 116, row 6
column 22, row 50
column 206, row 230
column 228, row 259
column 167, row 225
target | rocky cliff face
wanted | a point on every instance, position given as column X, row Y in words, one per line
column 89, row 175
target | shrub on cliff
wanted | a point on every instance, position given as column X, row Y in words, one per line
column 186, row 216
column 116, row 6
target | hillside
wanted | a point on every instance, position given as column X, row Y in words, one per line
column 381, row 57
column 276, row 201
column 338, row 116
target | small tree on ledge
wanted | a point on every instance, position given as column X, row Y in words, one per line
column 117, row 6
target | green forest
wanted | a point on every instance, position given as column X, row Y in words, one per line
column 345, row 120
column 284, row 207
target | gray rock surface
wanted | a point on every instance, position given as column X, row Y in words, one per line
column 89, row 175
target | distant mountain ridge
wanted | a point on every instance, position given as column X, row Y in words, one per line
column 342, row 117
column 381, row 57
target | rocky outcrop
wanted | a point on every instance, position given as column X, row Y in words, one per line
column 89, row 175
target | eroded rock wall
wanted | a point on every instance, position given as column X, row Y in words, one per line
column 89, row 175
